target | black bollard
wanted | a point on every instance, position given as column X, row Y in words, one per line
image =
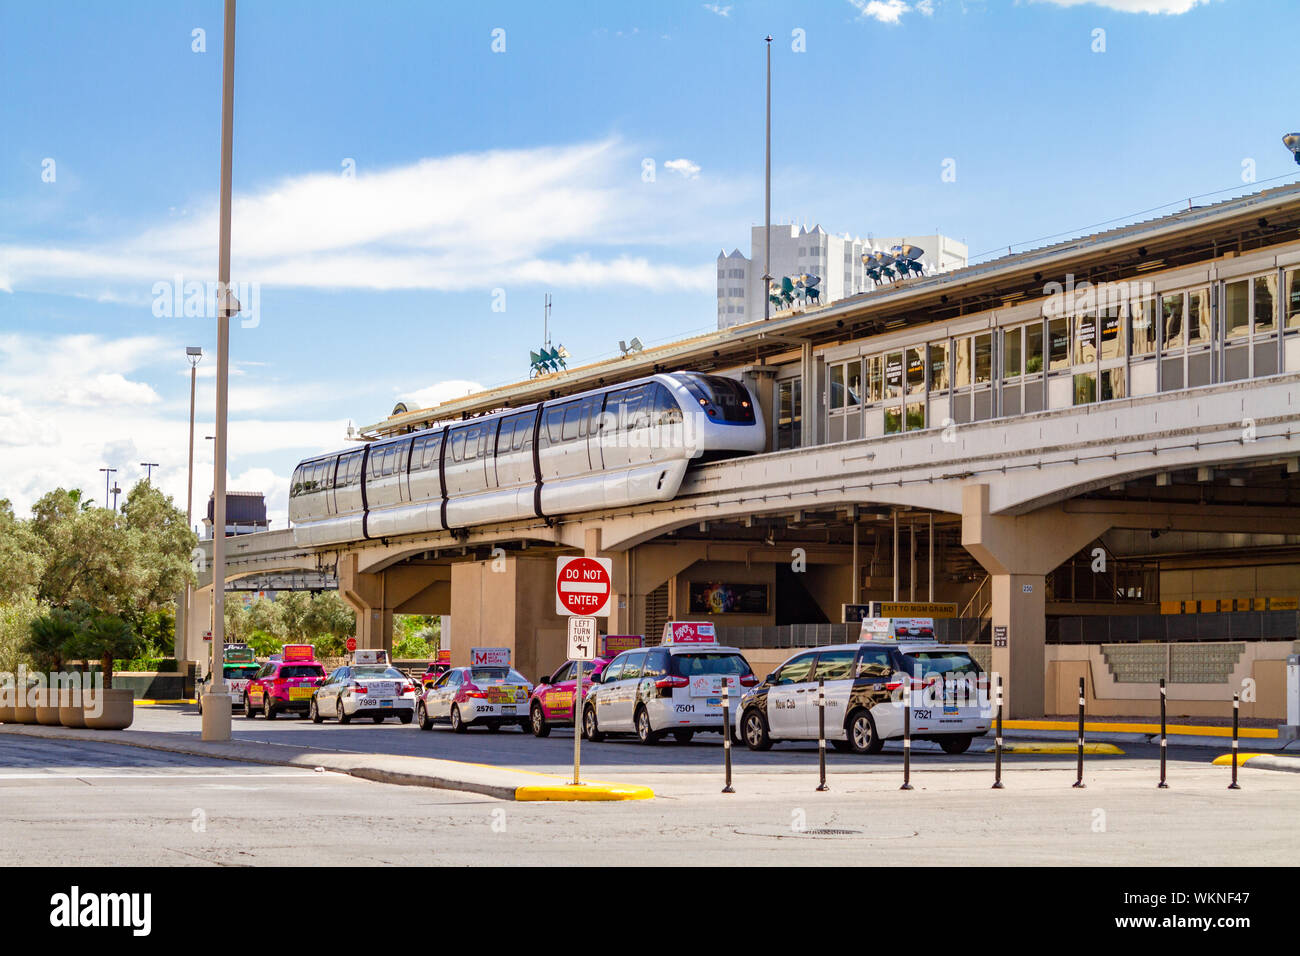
column 1079, row 779
column 726, row 733
column 821, row 734
column 997, row 742
column 1164, row 740
column 907, row 737
column 1236, row 713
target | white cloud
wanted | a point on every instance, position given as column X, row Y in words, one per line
column 720, row 11
column 885, row 11
column 64, row 415
column 555, row 214
column 1171, row 7
column 686, row 168
column 438, row 393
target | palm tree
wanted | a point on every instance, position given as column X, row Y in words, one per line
column 49, row 638
column 106, row 637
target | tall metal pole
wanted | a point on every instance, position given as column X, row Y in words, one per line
column 767, row 194
column 895, row 557
column 194, row 354
column 219, row 705
column 931, row 540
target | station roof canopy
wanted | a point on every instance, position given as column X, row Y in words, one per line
column 1195, row 234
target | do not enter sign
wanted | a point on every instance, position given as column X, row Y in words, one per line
column 583, row 586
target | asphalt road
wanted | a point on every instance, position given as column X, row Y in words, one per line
column 510, row 747
column 90, row 803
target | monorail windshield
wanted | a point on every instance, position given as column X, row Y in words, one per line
column 728, row 398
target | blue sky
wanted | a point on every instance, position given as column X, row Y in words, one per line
column 476, row 171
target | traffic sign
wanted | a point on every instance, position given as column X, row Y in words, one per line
column 582, row 638
column 352, row 644
column 583, row 586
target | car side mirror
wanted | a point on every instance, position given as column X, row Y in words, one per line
column 597, row 677
column 544, row 679
column 770, row 678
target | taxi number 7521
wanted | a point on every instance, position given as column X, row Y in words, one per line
column 920, row 715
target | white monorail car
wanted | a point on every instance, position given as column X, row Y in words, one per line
column 626, row 444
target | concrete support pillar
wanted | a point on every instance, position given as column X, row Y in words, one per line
column 405, row 589
column 198, row 623
column 1019, row 551
column 621, row 600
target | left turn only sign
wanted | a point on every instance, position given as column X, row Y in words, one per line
column 583, row 586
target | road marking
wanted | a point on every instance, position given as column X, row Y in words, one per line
column 148, row 776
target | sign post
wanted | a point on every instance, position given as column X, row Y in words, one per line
column 584, row 588
column 582, row 648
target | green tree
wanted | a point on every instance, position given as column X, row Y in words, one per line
column 106, row 637
column 268, row 616
column 22, row 557
column 15, row 629
column 51, row 638
column 329, row 615
column 294, row 608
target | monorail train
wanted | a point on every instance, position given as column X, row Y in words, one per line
column 625, row 444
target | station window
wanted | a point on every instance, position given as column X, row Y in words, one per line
column 938, row 366
column 875, row 379
column 1085, row 340
column 1265, row 299
column 1236, row 309
column 983, row 358
column 846, row 385
column 1013, row 352
column 1112, row 345
column 1293, row 299
column 961, row 370
column 893, row 376
column 1033, row 348
column 1058, row 337
column 1172, row 308
column 916, row 371
column 1143, row 326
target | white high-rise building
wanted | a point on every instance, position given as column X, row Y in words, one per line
column 837, row 260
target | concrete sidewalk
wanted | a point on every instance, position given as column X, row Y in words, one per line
column 1180, row 734
column 501, row 782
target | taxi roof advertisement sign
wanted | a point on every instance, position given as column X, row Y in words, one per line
column 489, row 656
column 298, row 652
column 612, row 644
column 689, row 632
column 370, row 655
column 896, row 628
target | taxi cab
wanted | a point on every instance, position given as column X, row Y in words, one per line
column 482, row 695
column 369, row 686
column 675, row 688
column 867, row 687
column 284, row 685
column 552, row 700
column 238, row 668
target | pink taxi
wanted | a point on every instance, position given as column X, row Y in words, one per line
column 286, row 684
column 552, row 703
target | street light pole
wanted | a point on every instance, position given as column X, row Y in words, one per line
column 194, row 354
column 216, row 703
column 767, row 195
column 148, row 466
column 108, row 476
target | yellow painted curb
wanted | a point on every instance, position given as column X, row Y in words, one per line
column 1225, row 760
column 1187, row 730
column 145, row 702
column 586, row 791
column 1058, row 748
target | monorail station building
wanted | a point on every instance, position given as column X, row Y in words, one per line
column 1090, row 450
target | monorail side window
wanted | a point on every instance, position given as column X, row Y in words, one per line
column 667, row 411
column 572, row 418
column 458, row 445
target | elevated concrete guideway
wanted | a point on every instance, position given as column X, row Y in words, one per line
column 1014, row 486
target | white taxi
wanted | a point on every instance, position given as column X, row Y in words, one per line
column 867, row 687
column 488, row 695
column 675, row 688
column 368, row 687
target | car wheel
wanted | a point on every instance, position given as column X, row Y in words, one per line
column 377, row 720
column 525, row 727
column 644, row 732
column 314, row 712
column 422, row 716
column 755, row 731
column 200, row 703
column 863, row 738
column 457, row 724
column 590, row 731
column 956, row 744
column 340, row 713
column 404, row 718
column 248, row 709
column 268, row 708
column 683, row 736
column 540, row 727
column 494, row 727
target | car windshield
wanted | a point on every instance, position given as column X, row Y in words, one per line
column 689, row 665
column 242, row 672
column 933, row 663
column 301, row 670
column 378, row 670
column 495, row 675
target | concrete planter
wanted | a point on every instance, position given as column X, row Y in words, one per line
column 24, row 714
column 47, row 708
column 70, row 712
column 117, row 709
